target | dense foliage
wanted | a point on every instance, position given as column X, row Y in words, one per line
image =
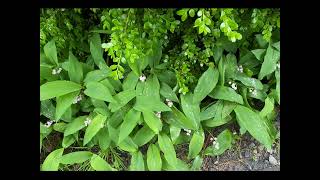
column 124, row 80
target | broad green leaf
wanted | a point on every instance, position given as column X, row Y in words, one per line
column 67, row 116
column 153, row 158
column 224, row 141
column 167, row 148
column 143, row 136
column 128, row 145
column 75, row 125
column 251, row 82
column 102, row 111
column 96, row 75
column 122, row 99
column 249, row 60
column 196, row 144
column 75, row 70
column 130, row 121
column 52, row 161
column 47, row 109
column 261, row 95
column 167, row 92
column 211, row 111
column 174, row 132
column 64, row 102
column 106, row 82
column 130, row 82
column 197, row 163
column 93, row 128
column 277, row 74
column 60, row 127
column 104, row 138
column 146, row 103
column 270, row 62
column 190, row 109
column 137, row 162
column 254, row 124
column 113, row 133
column 68, row 141
column 57, row 88
column 183, row 120
column 230, row 66
column 261, row 41
column 152, row 121
column 168, row 77
column 76, row 157
column 51, row 52
column 222, row 70
column 277, row 45
column 99, row 164
column 98, row 103
column 96, row 49
column 44, row 130
column 226, row 93
column 268, row 107
column 99, row 91
column 206, row 84
column 259, row 53
column 217, row 53
column 214, row 122
column 180, row 166
column 46, row 73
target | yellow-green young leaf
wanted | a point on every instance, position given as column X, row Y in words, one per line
column 206, row 84
column 51, row 52
column 167, row 148
column 99, row 164
column 224, row 142
column 252, row 122
column 196, row 144
column 98, row 91
column 130, row 121
column 270, row 62
column 137, row 162
column 182, row 119
column 122, row 99
column 64, row 102
column 76, row 157
column 143, row 136
column 154, row 123
column 167, row 92
column 52, row 161
column 197, row 162
column 130, row 82
column 75, row 71
column 75, row 125
column 174, row 132
column 153, row 158
column 104, row 139
column 128, row 145
column 57, row 88
column 67, row 141
column 226, row 93
column 93, row 128
column 268, row 107
column 190, row 109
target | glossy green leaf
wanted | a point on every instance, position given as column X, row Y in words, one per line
column 174, row 132
column 277, row 45
column 196, row 144
column 75, row 70
column 128, row 145
column 122, row 99
column 259, row 53
column 183, row 120
column 106, row 82
column 130, row 121
column 96, row 49
column 76, row 157
column 137, row 162
column 130, row 82
column 104, row 138
column 75, row 125
column 277, row 74
column 47, row 109
column 226, row 93
column 52, row 161
column 60, row 127
column 268, row 107
column 250, row 82
column 57, row 88
column 197, row 163
column 96, row 75
column 180, row 166
column 190, row 109
column 224, row 140
column 152, row 121
column 96, row 124
column 64, row 102
column 270, row 62
column 68, row 141
column 167, row 148
column 51, row 52
column 143, row 136
column 206, row 84
column 99, row 164
column 167, row 92
column 153, row 158
column 254, row 124
column 222, row 70
column 99, row 91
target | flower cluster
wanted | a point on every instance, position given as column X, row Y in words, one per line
column 253, row 91
column 158, row 114
column 77, row 99
column 48, row 123
column 233, row 85
column 56, row 71
column 240, row 68
column 169, row 102
column 87, row 121
column 142, row 78
column 188, row 131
